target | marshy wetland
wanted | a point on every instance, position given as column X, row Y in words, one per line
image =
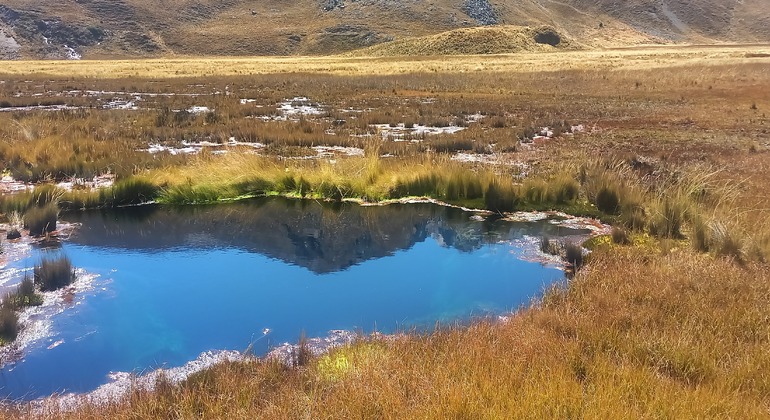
column 300, row 198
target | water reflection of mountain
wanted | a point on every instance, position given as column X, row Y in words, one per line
column 323, row 237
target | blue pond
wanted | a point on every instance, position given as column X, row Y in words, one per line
column 174, row 282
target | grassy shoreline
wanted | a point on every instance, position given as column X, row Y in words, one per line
column 669, row 320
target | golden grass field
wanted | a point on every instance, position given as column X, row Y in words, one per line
column 633, row 58
column 671, row 324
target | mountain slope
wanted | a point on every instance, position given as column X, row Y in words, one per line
column 97, row 28
column 498, row 39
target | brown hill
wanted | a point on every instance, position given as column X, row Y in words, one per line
column 499, row 39
column 99, row 28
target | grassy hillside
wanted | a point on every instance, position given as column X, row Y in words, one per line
column 100, row 28
column 481, row 40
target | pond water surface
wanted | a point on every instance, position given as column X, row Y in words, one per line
column 171, row 283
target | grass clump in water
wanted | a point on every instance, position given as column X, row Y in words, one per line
column 41, row 220
column 9, row 324
column 53, row 273
column 573, row 253
column 549, row 246
column 24, row 295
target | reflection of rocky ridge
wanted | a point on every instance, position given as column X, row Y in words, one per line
column 322, row 237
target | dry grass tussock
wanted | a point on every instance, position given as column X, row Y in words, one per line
column 684, row 336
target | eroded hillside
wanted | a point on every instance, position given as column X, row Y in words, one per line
column 114, row 28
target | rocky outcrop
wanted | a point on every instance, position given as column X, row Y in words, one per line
column 45, row 36
column 481, row 11
column 9, row 48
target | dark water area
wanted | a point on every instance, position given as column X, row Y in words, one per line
column 166, row 284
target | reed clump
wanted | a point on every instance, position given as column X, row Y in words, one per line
column 41, row 220
column 24, row 295
column 9, row 324
column 53, row 273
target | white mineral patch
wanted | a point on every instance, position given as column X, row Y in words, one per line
column 99, row 181
column 121, row 383
column 330, row 151
column 121, row 104
column 503, row 159
column 191, row 148
column 10, row 185
column 400, row 131
column 158, row 148
column 198, row 109
column 299, row 105
column 72, row 54
column 39, row 108
column 318, row 345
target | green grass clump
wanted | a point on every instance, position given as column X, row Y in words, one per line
column 423, row 185
column 536, row 191
column 53, row 273
column 9, row 324
column 45, row 194
column 564, row 189
column 726, row 242
column 335, row 190
column 668, row 218
column 40, row 196
column 608, row 200
column 620, row 236
column 82, row 199
column 549, row 246
column 24, row 295
column 255, row 186
column 130, row 191
column 501, row 197
column 195, row 194
column 573, row 253
column 41, row 220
